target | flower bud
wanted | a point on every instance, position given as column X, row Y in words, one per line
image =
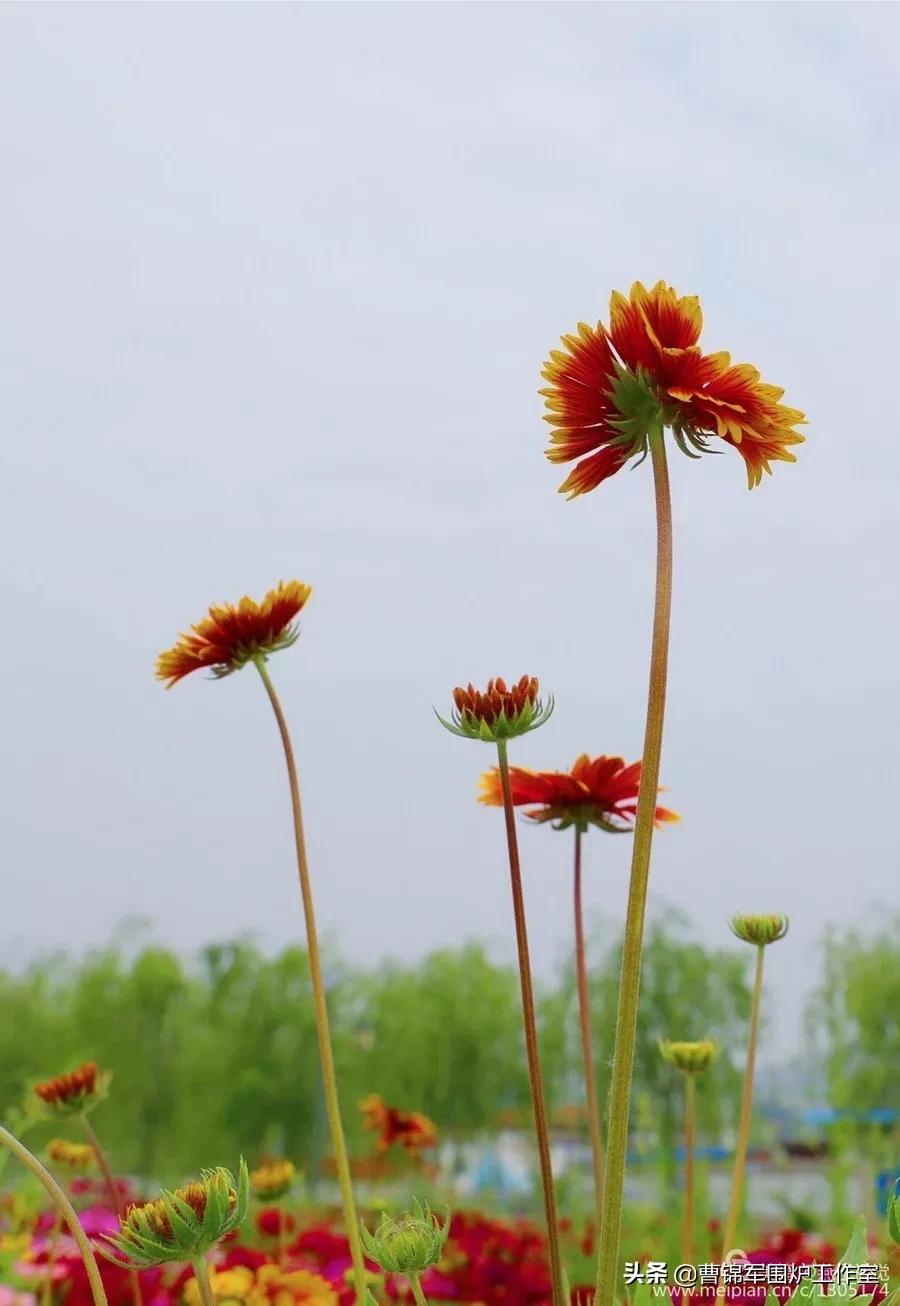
column 692, row 1058
column 409, row 1244
column 497, row 712
column 759, row 929
column 75, row 1093
column 184, row 1224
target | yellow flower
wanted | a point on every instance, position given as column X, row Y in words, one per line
column 272, row 1179
column 74, row 1156
column 268, row 1286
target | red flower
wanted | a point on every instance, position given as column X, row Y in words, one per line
column 608, row 388
column 234, row 634
column 411, row 1129
column 601, row 792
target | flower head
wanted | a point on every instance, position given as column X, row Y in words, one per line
column 411, row 1129
column 77, row 1157
column 601, row 792
column 185, row 1223
column 498, row 712
column 265, row 1284
column 692, row 1058
column 760, row 930
column 75, row 1093
column 610, row 389
column 409, row 1244
column 272, row 1179
column 233, row 635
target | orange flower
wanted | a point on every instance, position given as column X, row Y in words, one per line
column 411, row 1129
column 608, row 389
column 230, row 636
column 75, row 1092
column 602, row 792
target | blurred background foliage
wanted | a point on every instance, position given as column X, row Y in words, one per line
column 216, row 1056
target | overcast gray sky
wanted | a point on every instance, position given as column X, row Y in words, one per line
column 277, row 285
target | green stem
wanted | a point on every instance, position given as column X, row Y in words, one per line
column 65, row 1208
column 418, row 1294
column 608, row 1278
column 740, row 1157
column 531, row 1038
column 47, row 1289
column 323, row 1033
column 587, row 1049
column 114, row 1196
column 687, row 1246
column 201, row 1274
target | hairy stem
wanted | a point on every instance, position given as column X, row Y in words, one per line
column 65, row 1208
column 587, row 1048
column 201, row 1274
column 531, row 1038
column 687, row 1245
column 323, row 1033
column 418, row 1295
column 608, row 1276
column 740, row 1156
column 114, row 1196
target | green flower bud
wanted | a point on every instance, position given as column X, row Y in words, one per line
column 409, row 1244
column 498, row 712
column 759, row 929
column 184, row 1224
column 692, row 1058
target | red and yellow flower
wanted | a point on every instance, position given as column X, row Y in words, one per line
column 609, row 388
column 600, row 791
column 232, row 635
column 411, row 1129
column 264, row 1285
column 77, row 1157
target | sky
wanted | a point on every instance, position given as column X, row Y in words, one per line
column 278, row 281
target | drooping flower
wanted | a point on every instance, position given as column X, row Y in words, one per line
column 411, row 1129
column 74, row 1093
column 185, row 1223
column 409, row 1244
column 77, row 1157
column 609, row 388
column 691, row 1058
column 272, row 1180
column 234, row 634
column 498, row 712
column 760, row 930
column 601, row 792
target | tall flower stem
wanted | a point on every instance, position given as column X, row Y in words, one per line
column 47, row 1289
column 687, row 1245
column 114, row 1195
column 323, row 1033
column 587, row 1048
column 531, row 1040
column 630, row 982
column 201, row 1274
column 65, row 1208
column 740, row 1156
